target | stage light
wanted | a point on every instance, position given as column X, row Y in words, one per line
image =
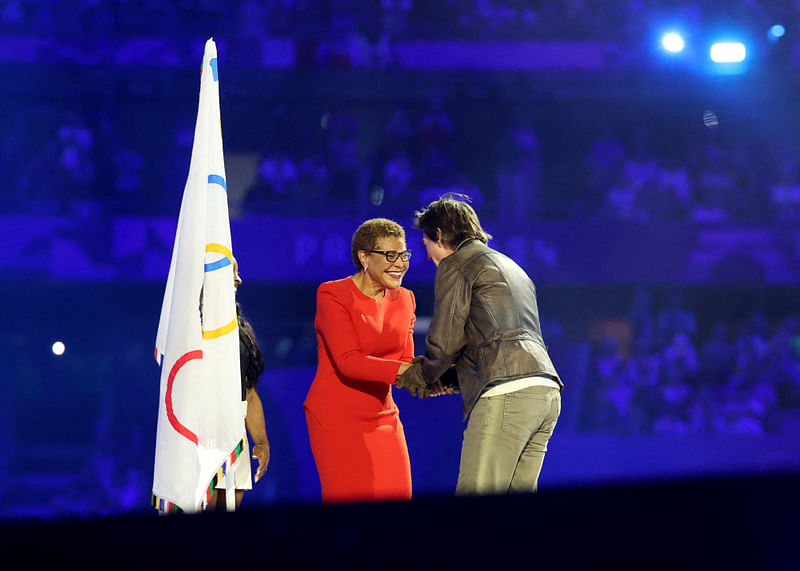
column 728, row 52
column 710, row 119
column 775, row 32
column 673, row 42
column 58, row 348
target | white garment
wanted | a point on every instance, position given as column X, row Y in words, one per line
column 242, row 472
column 519, row 384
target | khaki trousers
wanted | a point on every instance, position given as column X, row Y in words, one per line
column 505, row 441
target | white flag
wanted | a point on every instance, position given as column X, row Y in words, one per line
column 200, row 423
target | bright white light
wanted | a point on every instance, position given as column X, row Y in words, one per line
column 728, row 52
column 672, row 42
column 58, row 348
column 777, row 31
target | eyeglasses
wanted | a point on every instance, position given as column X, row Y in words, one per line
column 391, row 257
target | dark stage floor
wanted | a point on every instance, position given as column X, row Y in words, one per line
column 720, row 523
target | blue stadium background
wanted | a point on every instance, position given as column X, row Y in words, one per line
column 653, row 198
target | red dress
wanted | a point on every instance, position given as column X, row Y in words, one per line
column 353, row 423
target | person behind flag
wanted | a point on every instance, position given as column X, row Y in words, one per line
column 486, row 321
column 251, row 363
column 364, row 325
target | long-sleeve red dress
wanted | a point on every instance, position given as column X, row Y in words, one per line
column 353, row 423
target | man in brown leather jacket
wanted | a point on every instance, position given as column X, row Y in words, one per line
column 486, row 321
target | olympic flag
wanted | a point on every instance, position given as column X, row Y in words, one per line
column 200, row 424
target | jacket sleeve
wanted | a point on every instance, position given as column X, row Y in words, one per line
column 336, row 328
column 446, row 335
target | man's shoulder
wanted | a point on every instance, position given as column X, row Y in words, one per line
column 459, row 262
column 475, row 255
column 466, row 252
column 483, row 261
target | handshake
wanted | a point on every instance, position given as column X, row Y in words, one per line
column 413, row 381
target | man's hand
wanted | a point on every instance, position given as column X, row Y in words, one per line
column 412, row 380
column 449, row 381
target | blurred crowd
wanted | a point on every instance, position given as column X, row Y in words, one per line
column 298, row 160
column 519, row 164
column 710, row 180
column 343, row 33
column 373, row 21
column 661, row 372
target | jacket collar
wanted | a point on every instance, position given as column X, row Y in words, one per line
column 460, row 250
column 465, row 242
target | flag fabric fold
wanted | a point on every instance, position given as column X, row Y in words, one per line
column 200, row 423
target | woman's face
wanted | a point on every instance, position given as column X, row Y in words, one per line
column 387, row 274
column 237, row 279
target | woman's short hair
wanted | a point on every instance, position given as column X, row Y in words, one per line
column 456, row 219
column 367, row 235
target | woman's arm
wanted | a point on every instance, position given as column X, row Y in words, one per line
column 257, row 428
column 338, row 333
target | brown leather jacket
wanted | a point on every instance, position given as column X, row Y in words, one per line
column 486, row 321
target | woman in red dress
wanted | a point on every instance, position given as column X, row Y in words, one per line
column 364, row 326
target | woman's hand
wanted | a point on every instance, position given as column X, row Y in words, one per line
column 261, row 453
